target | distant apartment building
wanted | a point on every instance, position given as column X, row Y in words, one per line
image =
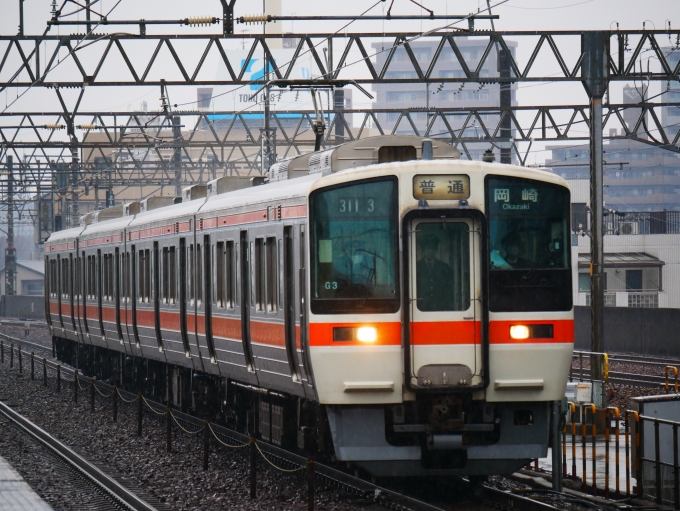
column 416, row 98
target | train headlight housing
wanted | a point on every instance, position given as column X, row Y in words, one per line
column 367, row 334
column 519, row 332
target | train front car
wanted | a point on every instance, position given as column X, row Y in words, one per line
column 440, row 314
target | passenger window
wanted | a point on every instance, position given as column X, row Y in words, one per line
column 199, row 276
column 147, row 275
column 220, row 267
column 172, row 279
column 164, row 269
column 230, row 274
column 259, row 275
column 272, row 275
column 190, row 274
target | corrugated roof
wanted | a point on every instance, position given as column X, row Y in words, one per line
column 36, row 266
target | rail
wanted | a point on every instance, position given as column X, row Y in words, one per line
column 103, row 482
column 278, row 458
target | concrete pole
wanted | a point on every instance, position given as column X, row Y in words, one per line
column 556, row 447
column 10, row 251
column 595, row 78
column 505, row 104
column 177, row 154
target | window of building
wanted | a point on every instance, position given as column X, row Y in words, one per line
column 634, row 280
column 32, row 287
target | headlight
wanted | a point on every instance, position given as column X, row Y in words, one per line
column 519, row 332
column 367, row 334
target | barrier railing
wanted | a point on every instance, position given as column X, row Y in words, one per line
column 664, row 486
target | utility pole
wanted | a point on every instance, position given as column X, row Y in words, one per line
column 75, row 175
column 177, row 154
column 506, row 105
column 339, row 107
column 21, row 17
column 595, row 77
column 10, row 251
column 87, row 15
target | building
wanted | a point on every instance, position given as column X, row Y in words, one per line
column 417, row 98
column 30, row 278
column 641, row 255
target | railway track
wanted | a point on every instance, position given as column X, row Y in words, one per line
column 103, row 492
column 581, row 370
column 366, row 490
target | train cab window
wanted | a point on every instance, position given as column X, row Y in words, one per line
column 443, row 266
column 272, row 275
column 259, row 268
column 529, row 245
column 354, row 248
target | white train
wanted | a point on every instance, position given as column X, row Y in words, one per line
column 415, row 309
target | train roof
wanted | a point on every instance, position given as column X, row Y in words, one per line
column 277, row 191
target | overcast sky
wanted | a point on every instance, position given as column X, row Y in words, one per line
column 514, row 15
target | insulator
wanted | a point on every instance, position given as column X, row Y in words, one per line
column 255, row 18
column 200, row 21
column 87, row 126
column 54, row 126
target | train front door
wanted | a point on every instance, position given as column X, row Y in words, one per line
column 444, row 333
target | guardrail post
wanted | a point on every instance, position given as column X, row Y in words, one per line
column 309, row 436
column 572, row 407
column 11, row 356
column 676, row 468
column 32, row 366
column 657, row 462
column 606, row 453
column 556, row 448
column 75, row 386
column 593, row 433
column 206, row 443
column 92, row 389
column 584, row 440
column 168, row 428
column 253, row 468
column 58, row 378
column 21, row 363
column 44, row 372
column 140, row 411
column 115, row 403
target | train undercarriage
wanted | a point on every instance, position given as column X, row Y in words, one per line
column 433, row 435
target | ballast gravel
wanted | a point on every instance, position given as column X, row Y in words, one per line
column 177, row 479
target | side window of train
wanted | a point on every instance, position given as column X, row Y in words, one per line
column 147, row 275
column 199, row 275
column 169, row 279
column 190, row 273
column 272, row 274
column 259, row 269
column 220, row 267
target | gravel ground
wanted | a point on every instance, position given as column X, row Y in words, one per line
column 620, row 395
column 176, row 478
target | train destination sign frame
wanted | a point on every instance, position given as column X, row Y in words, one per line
column 441, row 186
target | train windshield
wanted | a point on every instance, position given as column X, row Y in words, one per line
column 354, row 248
column 529, row 245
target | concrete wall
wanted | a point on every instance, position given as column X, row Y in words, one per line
column 23, row 307
column 632, row 330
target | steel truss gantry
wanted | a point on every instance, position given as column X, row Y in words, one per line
column 140, row 52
